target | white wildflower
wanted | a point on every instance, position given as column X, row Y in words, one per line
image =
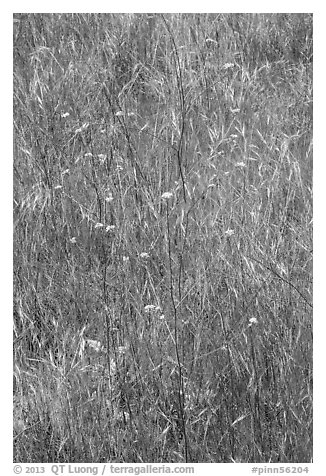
column 228, row 65
column 99, row 225
column 240, row 164
column 65, row 114
column 119, row 113
column 125, row 259
column 229, row 232
column 73, row 239
column 110, row 228
column 109, row 198
column 150, row 307
column 252, row 321
column 167, row 195
column 144, row 255
column 94, row 344
column 57, row 187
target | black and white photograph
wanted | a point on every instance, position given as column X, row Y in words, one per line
column 162, row 238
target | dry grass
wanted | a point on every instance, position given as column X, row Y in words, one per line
column 174, row 328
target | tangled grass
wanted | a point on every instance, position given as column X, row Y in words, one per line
column 163, row 238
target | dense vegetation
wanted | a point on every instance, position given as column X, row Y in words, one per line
column 163, row 237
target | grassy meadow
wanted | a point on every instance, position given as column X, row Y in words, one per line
column 162, row 238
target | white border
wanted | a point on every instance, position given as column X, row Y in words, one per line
column 168, row 6
column 319, row 195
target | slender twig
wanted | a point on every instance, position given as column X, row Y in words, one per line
column 176, row 341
